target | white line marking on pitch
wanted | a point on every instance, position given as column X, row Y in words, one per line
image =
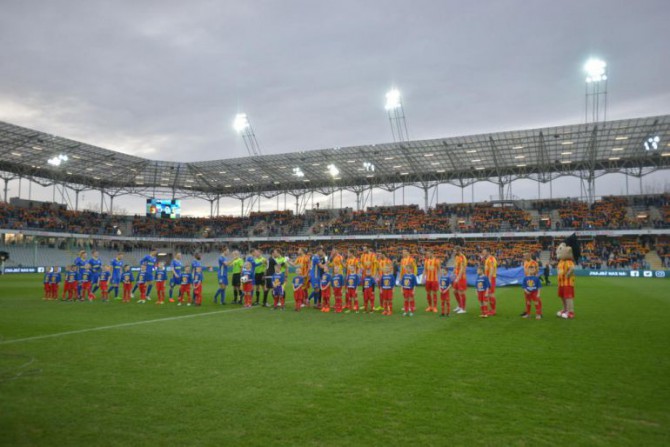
column 102, row 328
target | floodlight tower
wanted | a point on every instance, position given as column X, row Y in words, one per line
column 396, row 114
column 243, row 127
column 595, row 99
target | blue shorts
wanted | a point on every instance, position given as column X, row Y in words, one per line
column 223, row 280
column 116, row 280
column 149, row 277
column 95, row 277
column 175, row 281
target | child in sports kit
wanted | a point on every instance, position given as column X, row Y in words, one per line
column 482, row 285
column 71, row 283
column 387, row 285
column 247, row 280
column 445, row 286
column 86, row 276
column 368, row 294
column 127, row 279
column 105, row 276
column 338, row 283
column 278, row 292
column 531, row 289
column 326, row 281
column 353, row 280
column 46, row 281
column 197, row 286
column 55, row 283
column 299, row 292
column 185, row 280
column 161, row 277
column 408, row 283
column 142, row 284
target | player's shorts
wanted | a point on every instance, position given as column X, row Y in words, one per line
column 387, row 294
column 493, row 285
column 116, row 280
column 337, row 292
column 432, row 286
column 408, row 293
column 258, row 278
column 325, row 293
column 566, row 292
column 481, row 295
column 236, row 279
column 160, row 285
column 95, row 278
column 103, row 286
column 462, row 284
column 175, row 281
column 223, row 280
column 444, row 295
column 532, row 295
column 351, row 293
column 149, row 277
column 248, row 287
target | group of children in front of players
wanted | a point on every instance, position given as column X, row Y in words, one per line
column 332, row 281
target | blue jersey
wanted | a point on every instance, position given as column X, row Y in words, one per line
column 408, row 281
column 149, row 261
column 531, row 283
column 176, row 265
column 195, row 264
column 338, row 281
column 80, row 263
column 223, row 266
column 197, row 278
column 185, row 278
column 56, row 278
column 252, row 261
column 71, row 277
column 161, row 274
column 117, row 268
column 388, row 281
column 247, row 276
column 368, row 282
column 445, row 282
column 315, row 267
column 298, row 281
column 278, row 284
column 86, row 276
column 127, row 277
column 482, row 284
column 141, row 277
column 105, row 275
column 47, row 278
column 96, row 266
column 353, row 280
column 325, row 281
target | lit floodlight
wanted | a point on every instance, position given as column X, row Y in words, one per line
column 298, row 172
column 57, row 160
column 369, row 167
column 333, row 171
column 393, row 100
column 652, row 143
column 241, row 122
column 596, row 70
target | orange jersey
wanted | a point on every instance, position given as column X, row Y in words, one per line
column 409, row 264
column 353, row 261
column 491, row 267
column 382, row 263
column 460, row 263
column 337, row 261
column 369, row 264
column 563, row 278
column 303, row 262
column 528, row 264
column 431, row 269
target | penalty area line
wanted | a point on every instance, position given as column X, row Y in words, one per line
column 115, row 326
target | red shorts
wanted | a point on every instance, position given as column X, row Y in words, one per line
column 481, row 295
column 387, row 294
column 444, row 295
column 337, row 292
column 325, row 293
column 184, row 288
column 351, row 293
column 369, row 293
column 493, row 285
column 461, row 284
column 103, row 285
column 531, row 295
column 408, row 293
column 431, row 286
column 248, row 287
column 566, row 292
column 160, row 285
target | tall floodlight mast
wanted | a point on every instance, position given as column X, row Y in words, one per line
column 243, row 127
column 396, row 114
column 595, row 100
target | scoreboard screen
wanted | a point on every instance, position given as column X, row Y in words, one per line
column 163, row 209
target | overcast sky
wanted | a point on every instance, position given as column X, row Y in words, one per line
column 164, row 79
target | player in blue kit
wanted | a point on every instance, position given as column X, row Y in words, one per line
column 117, row 271
column 222, row 274
column 177, row 267
column 96, row 269
column 80, row 262
column 149, row 261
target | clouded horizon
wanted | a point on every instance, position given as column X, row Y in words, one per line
column 164, row 79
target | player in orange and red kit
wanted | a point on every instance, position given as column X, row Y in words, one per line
column 369, row 268
column 566, row 287
column 355, row 263
column 491, row 271
column 338, row 284
column 460, row 280
column 431, row 271
column 528, row 262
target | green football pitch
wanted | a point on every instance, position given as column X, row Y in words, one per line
column 130, row 374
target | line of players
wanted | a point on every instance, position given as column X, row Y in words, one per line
column 335, row 275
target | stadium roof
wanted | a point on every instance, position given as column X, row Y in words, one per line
column 540, row 154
